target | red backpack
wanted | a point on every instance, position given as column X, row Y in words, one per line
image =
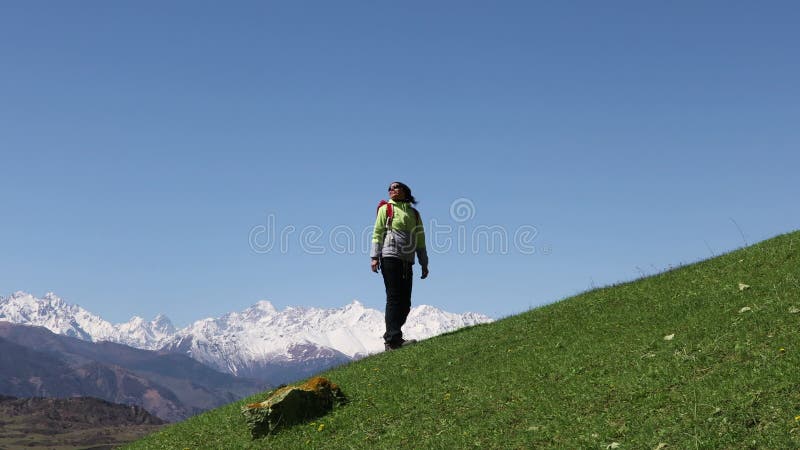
column 390, row 213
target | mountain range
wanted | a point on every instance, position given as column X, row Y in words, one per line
column 35, row 362
column 260, row 342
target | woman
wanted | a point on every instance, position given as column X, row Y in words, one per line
column 398, row 236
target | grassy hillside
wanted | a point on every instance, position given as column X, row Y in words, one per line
column 684, row 359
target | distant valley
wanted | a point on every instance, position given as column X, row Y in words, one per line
column 35, row 362
column 42, row 423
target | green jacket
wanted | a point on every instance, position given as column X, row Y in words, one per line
column 406, row 237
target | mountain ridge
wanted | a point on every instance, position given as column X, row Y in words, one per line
column 35, row 362
column 77, row 422
column 260, row 341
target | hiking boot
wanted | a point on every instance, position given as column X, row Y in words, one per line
column 403, row 343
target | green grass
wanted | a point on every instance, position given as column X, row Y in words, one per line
column 586, row 372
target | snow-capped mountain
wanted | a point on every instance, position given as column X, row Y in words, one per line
column 54, row 314
column 140, row 333
column 241, row 342
column 60, row 317
column 259, row 342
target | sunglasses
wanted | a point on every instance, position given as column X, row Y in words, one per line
column 394, row 188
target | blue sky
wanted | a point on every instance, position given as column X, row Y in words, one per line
column 144, row 146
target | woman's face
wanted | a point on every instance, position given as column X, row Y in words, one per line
column 396, row 192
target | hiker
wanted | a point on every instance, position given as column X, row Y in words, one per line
column 397, row 237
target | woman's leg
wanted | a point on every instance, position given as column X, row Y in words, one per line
column 397, row 279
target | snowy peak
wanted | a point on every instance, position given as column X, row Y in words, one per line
column 264, row 307
column 252, row 342
column 262, row 310
column 60, row 317
column 142, row 334
column 354, row 304
column 240, row 340
column 162, row 324
column 426, row 320
column 54, row 314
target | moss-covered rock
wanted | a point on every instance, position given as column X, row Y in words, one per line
column 291, row 405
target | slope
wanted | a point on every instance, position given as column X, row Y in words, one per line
column 685, row 359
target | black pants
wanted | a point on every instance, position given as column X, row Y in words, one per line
column 397, row 277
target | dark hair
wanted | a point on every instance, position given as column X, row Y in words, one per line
column 406, row 191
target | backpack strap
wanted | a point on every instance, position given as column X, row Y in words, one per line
column 389, row 213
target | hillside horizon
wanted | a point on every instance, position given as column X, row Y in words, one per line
column 703, row 355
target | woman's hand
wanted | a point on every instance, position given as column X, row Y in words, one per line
column 424, row 272
column 374, row 265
